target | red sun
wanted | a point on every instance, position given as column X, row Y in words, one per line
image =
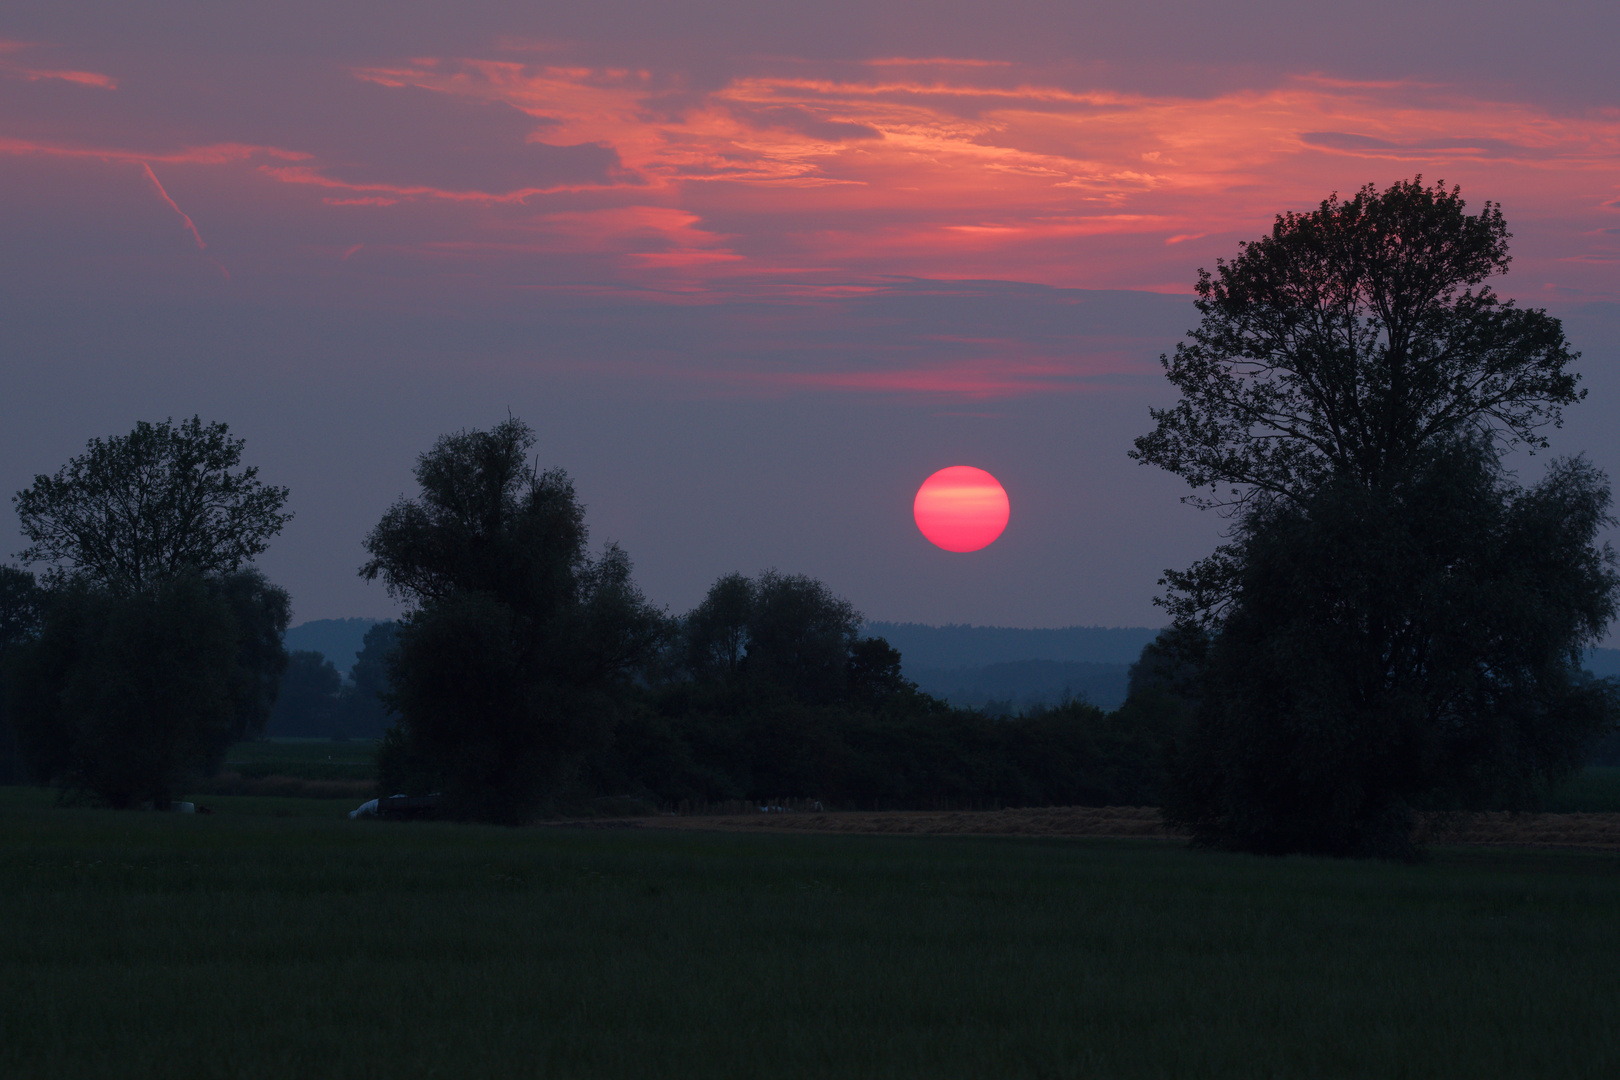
column 961, row 508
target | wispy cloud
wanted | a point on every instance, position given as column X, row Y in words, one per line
column 11, row 64
column 191, row 226
column 526, row 168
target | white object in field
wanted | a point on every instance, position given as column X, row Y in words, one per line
column 365, row 809
column 183, row 807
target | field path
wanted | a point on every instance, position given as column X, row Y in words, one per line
column 1595, row 831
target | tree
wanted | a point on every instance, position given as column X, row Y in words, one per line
column 365, row 711
column 151, row 505
column 308, row 702
column 1347, row 395
column 716, row 631
column 128, row 696
column 787, row 631
column 514, row 659
column 21, row 604
column 1348, row 341
column 1390, row 652
column 159, row 646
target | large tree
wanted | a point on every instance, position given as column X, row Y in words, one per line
column 159, row 645
column 1347, row 395
column 141, row 508
column 511, row 663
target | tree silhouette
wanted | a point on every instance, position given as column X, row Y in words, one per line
column 508, row 667
column 1396, row 624
column 158, row 646
column 146, row 507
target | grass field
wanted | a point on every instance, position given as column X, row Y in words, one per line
column 248, row 944
column 304, row 759
column 1595, row 791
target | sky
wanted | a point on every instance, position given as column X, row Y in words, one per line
column 752, row 271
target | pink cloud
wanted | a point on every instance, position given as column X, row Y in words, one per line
column 526, row 167
column 191, row 226
column 32, row 74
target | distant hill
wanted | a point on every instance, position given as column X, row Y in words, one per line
column 971, row 666
column 958, row 646
column 976, row 666
column 980, row 666
column 336, row 639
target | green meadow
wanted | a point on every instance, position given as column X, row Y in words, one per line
column 305, row 759
column 276, row 938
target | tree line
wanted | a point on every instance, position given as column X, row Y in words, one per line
column 1394, row 626
column 314, row 698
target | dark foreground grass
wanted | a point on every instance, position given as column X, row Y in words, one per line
column 248, row 945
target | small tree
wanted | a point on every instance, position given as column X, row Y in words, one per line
column 511, row 663
column 787, row 631
column 143, row 508
column 1342, row 365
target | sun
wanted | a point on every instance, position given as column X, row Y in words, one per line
column 961, row 508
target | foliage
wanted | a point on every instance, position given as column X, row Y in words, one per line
column 787, row 630
column 780, row 698
column 520, row 646
column 147, row 507
column 1351, row 339
column 20, row 609
column 366, row 712
column 128, row 696
column 315, row 701
column 1394, row 623
column 308, row 702
column 1393, row 650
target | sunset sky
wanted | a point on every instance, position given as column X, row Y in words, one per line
column 753, row 271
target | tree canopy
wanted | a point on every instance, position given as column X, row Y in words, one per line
column 146, row 507
column 1349, row 340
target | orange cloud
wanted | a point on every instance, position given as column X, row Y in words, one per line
column 953, row 175
column 930, row 167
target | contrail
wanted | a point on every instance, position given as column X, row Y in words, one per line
column 185, row 217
